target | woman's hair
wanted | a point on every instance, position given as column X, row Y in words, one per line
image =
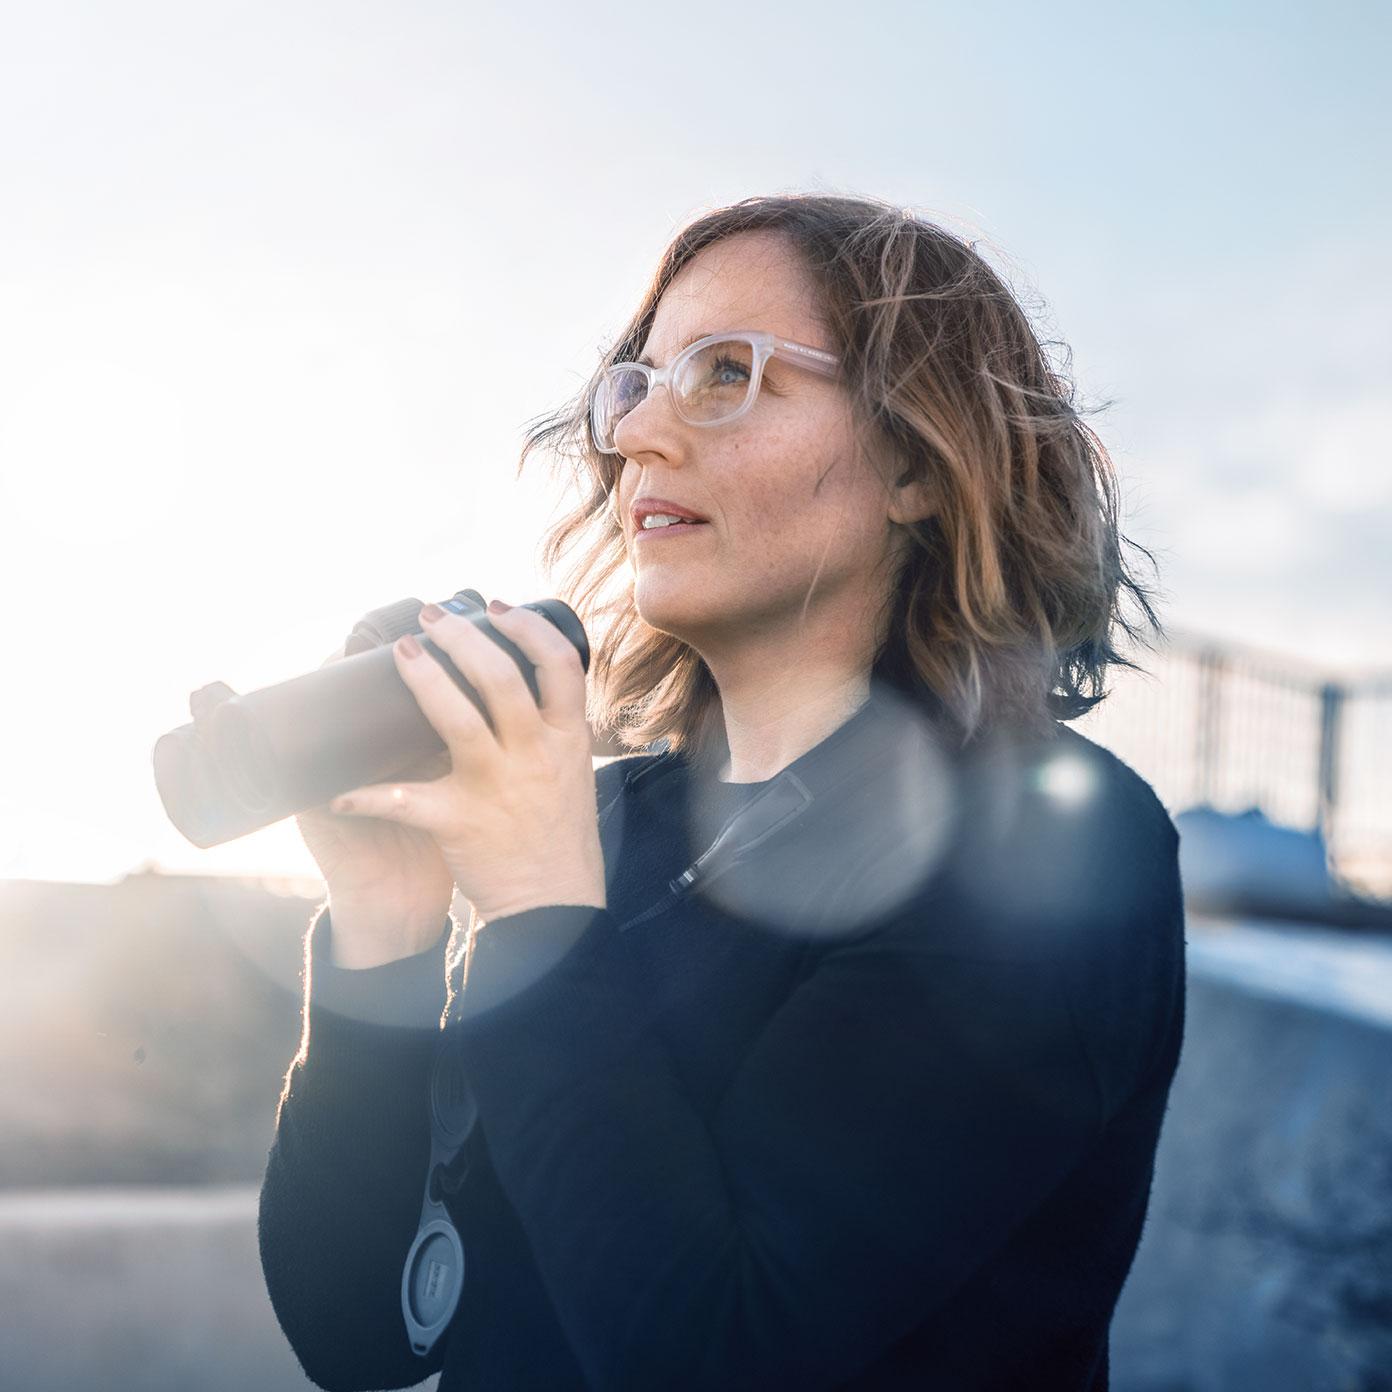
column 1005, row 602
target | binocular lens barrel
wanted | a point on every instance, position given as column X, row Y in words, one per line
column 248, row 761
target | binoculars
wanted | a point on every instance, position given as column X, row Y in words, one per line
column 247, row 761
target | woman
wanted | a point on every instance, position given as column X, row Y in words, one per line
column 825, row 1042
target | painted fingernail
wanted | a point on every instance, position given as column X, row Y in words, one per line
column 432, row 613
column 408, row 647
column 496, row 606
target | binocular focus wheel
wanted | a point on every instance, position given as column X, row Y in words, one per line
column 381, row 626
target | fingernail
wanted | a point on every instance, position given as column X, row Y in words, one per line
column 342, row 804
column 408, row 647
column 496, row 606
column 432, row 613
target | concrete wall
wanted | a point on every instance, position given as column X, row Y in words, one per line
column 1267, row 1257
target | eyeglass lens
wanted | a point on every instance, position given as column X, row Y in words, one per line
column 711, row 385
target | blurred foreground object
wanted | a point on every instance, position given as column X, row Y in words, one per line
column 1243, row 864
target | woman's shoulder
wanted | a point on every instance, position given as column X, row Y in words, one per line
column 1123, row 787
column 1080, row 794
column 1074, row 859
column 1077, row 823
column 1102, row 899
column 1003, row 837
column 1065, row 866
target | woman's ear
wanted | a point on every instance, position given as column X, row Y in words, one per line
column 911, row 500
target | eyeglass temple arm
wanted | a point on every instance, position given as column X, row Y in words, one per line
column 814, row 359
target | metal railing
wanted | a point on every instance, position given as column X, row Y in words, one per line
column 1215, row 722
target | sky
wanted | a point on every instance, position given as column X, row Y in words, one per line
column 281, row 285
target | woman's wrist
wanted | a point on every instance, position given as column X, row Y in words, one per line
column 577, row 894
column 371, row 935
column 575, row 878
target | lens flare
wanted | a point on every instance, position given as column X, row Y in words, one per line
column 1067, row 780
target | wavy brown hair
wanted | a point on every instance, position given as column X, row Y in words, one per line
column 1006, row 601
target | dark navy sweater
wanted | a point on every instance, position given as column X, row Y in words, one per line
column 869, row 1103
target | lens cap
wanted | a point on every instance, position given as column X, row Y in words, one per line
column 431, row 1282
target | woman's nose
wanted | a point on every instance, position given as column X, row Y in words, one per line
column 649, row 427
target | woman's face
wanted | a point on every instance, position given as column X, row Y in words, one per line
column 782, row 498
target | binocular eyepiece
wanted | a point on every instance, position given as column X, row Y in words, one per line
column 247, row 761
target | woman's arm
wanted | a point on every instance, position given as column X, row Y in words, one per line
column 903, row 1111
column 345, row 1173
column 899, row 1116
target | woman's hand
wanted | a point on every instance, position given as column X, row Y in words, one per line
column 389, row 886
column 515, row 817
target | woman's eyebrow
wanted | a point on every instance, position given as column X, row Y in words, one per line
column 648, row 362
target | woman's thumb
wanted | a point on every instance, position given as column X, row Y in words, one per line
column 420, row 805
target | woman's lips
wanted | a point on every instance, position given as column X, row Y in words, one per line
column 648, row 534
column 659, row 517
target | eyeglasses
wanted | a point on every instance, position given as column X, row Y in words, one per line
column 712, row 381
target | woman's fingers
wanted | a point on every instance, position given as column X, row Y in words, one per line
column 429, row 767
column 559, row 674
column 489, row 670
column 455, row 718
column 516, row 717
column 426, row 806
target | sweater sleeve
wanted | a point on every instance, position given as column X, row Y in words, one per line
column 901, row 1113
column 344, row 1177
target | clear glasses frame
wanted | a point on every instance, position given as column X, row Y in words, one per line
column 764, row 346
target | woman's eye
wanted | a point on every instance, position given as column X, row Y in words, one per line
column 739, row 372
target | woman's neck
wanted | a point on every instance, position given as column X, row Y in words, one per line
column 773, row 713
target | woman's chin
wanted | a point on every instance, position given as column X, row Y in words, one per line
column 670, row 610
